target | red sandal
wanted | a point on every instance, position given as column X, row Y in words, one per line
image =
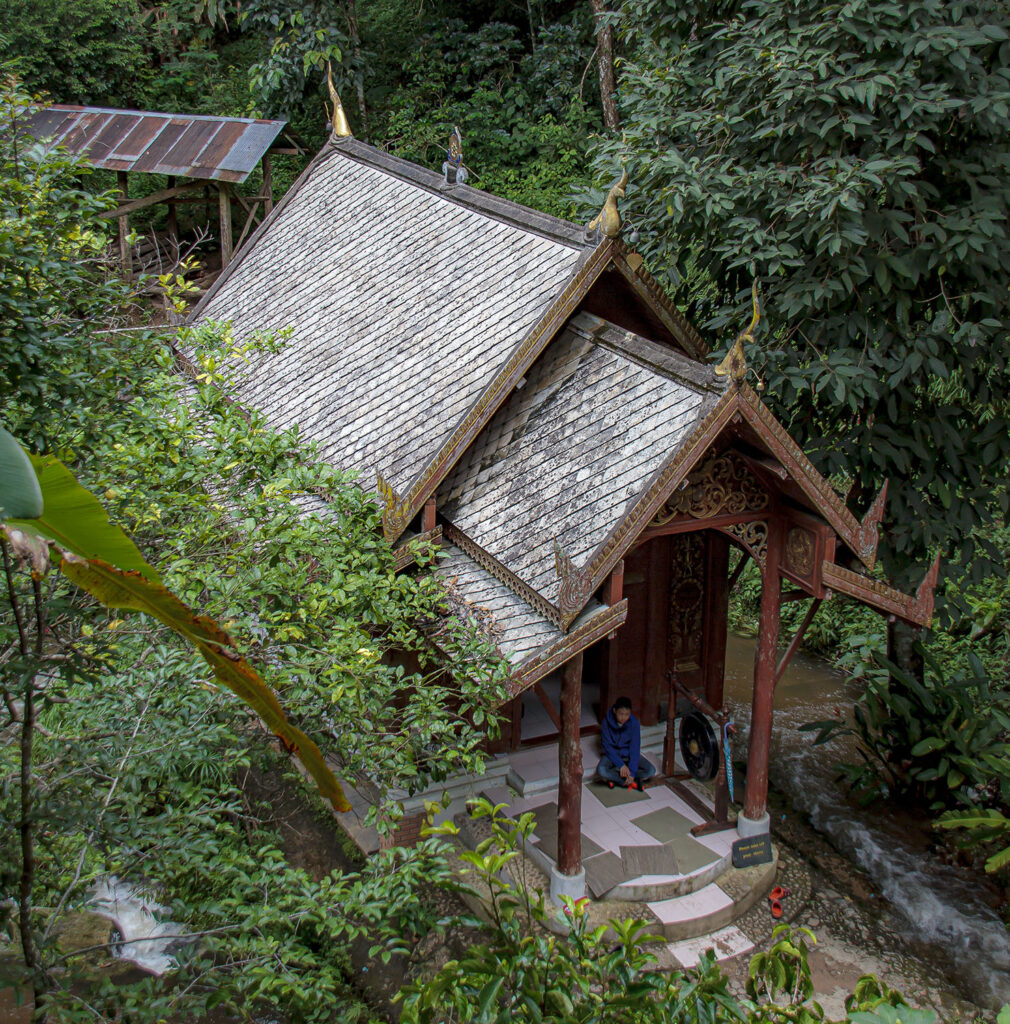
column 775, row 907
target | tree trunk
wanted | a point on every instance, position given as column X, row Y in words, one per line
column 901, row 640
column 351, row 10
column 605, row 66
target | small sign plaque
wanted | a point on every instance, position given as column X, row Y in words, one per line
column 753, row 850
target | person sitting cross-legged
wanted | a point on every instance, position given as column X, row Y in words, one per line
column 622, row 763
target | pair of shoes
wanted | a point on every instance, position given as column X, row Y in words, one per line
column 775, row 898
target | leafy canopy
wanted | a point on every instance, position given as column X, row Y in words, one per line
column 854, row 158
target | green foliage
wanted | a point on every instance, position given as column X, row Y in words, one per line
column 523, row 120
column 525, row 971
column 130, row 756
column 853, row 159
column 58, row 356
column 304, row 35
column 942, row 741
column 987, row 826
column 781, row 974
column 538, row 965
column 78, row 51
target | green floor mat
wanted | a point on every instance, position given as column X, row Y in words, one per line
column 618, row 795
column 664, row 824
column 657, row 859
column 691, row 855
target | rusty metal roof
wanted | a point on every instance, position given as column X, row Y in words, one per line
column 191, row 145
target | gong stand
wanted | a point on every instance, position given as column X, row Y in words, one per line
column 717, row 820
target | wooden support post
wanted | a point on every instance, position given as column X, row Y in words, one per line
column 613, row 593
column 268, row 183
column 657, row 629
column 570, row 770
column 428, row 518
column 545, row 699
column 615, row 585
column 716, row 624
column 756, row 798
column 125, row 259
column 670, row 739
column 797, row 639
column 173, row 215
column 738, row 571
column 224, row 209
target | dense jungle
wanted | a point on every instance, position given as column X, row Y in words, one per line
column 852, row 158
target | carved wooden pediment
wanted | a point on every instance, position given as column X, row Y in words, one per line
column 722, row 485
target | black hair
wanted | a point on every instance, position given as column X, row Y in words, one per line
column 622, row 702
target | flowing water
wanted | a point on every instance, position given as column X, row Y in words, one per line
column 939, row 908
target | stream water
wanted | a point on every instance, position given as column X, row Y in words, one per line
column 943, row 912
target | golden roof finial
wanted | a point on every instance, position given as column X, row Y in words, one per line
column 734, row 365
column 338, row 119
column 608, row 220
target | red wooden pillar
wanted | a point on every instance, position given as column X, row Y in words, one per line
column 570, row 770
column 756, row 798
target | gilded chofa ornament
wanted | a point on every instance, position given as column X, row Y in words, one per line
column 723, row 485
column 734, row 365
column 608, row 220
column 341, row 128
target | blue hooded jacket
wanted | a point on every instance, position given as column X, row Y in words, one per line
column 622, row 743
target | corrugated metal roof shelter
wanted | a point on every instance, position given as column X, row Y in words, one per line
column 187, row 145
column 218, row 150
column 522, row 387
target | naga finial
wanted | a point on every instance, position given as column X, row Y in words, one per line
column 734, row 365
column 341, row 129
column 608, row 220
column 453, row 167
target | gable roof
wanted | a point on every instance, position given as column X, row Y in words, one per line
column 383, row 363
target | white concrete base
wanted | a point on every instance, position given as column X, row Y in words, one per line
column 573, row 886
column 747, row 827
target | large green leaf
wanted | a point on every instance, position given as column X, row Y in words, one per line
column 20, row 494
column 76, row 520
column 131, row 590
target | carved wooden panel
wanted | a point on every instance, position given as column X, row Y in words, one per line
column 808, row 543
column 687, row 596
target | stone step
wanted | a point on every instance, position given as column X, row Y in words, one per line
column 716, row 905
column 657, row 888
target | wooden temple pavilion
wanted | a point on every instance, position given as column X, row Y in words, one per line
column 522, row 389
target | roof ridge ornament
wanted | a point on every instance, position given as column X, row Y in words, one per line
column 734, row 365
column 453, row 167
column 341, row 128
column 608, row 221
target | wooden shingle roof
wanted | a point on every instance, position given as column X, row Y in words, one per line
column 568, row 453
column 402, row 301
